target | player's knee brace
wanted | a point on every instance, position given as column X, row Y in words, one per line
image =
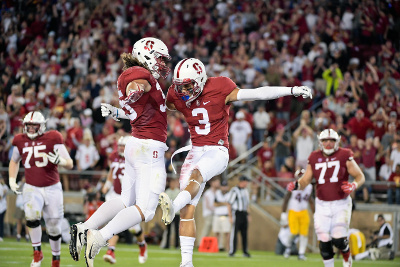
column 341, row 243
column 54, row 238
column 326, row 250
column 138, row 233
column 32, row 223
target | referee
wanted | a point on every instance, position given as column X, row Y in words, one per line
column 238, row 211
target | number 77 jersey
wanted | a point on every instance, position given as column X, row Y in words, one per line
column 330, row 172
column 208, row 115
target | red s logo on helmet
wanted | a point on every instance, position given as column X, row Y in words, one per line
column 197, row 67
column 149, row 45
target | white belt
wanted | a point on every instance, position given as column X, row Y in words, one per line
column 180, row 150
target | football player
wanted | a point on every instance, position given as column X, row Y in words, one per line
column 143, row 103
column 41, row 153
column 205, row 104
column 297, row 217
column 112, row 189
column 331, row 166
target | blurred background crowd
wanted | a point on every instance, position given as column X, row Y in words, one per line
column 62, row 57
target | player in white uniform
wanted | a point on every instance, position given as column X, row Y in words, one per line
column 142, row 101
column 112, row 188
column 297, row 216
column 40, row 152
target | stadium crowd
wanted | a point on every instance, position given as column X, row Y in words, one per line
column 63, row 59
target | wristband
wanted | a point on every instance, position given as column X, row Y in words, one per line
column 296, row 185
column 107, row 185
column 356, row 184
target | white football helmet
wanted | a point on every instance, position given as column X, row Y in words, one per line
column 189, row 70
column 122, row 141
column 152, row 52
column 329, row 134
column 34, row 117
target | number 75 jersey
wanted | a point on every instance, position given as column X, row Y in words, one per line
column 208, row 115
column 330, row 173
column 39, row 171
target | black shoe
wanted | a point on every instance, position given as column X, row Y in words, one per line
column 231, row 255
column 391, row 255
column 246, row 255
column 221, row 249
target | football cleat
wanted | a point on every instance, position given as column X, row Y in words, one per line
column 302, row 257
column 167, row 208
column 286, row 254
column 37, row 258
column 142, row 253
column 110, row 257
column 78, row 240
column 348, row 263
column 187, row 264
column 55, row 263
column 94, row 243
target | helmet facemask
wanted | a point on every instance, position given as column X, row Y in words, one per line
column 34, row 119
column 185, row 92
column 160, row 67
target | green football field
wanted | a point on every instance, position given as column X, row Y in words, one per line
column 14, row 253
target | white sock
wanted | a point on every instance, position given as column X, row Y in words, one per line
column 303, row 244
column 104, row 213
column 124, row 220
column 329, row 263
column 36, row 236
column 361, row 255
column 187, row 244
column 181, row 200
column 55, row 247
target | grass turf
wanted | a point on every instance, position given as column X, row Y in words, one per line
column 14, row 253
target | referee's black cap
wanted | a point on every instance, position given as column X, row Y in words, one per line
column 244, row 178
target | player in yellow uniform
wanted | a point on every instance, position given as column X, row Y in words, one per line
column 297, row 217
column 357, row 242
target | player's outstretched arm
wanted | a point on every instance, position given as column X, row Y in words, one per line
column 267, row 93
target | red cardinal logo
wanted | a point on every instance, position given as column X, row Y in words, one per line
column 149, row 45
column 197, row 67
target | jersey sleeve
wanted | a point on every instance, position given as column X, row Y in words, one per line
column 227, row 86
column 349, row 154
column 129, row 75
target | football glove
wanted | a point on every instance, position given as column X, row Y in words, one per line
column 292, row 186
column 284, row 219
column 13, row 185
column 109, row 110
column 348, row 187
column 56, row 159
column 304, row 91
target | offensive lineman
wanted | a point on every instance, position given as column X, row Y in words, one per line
column 331, row 167
column 112, row 188
column 40, row 152
column 205, row 104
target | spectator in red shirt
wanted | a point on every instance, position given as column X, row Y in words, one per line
column 265, row 153
column 380, row 120
column 371, row 83
column 354, row 146
column 360, row 125
column 394, row 178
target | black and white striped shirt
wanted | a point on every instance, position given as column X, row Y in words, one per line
column 239, row 199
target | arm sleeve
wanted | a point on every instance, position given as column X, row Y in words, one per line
column 16, row 157
column 62, row 150
column 120, row 114
column 263, row 93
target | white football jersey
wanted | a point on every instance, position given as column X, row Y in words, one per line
column 299, row 199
